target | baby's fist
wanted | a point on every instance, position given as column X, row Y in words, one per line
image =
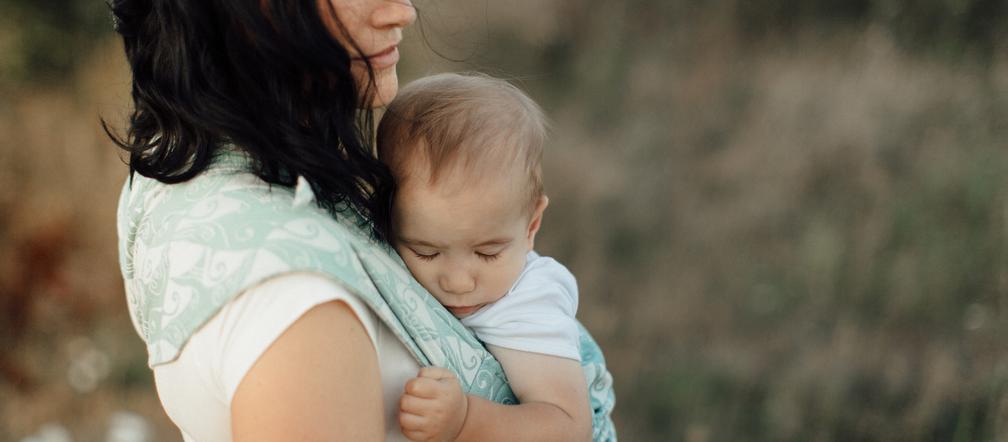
column 433, row 406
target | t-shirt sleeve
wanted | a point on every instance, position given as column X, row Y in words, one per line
column 249, row 324
column 196, row 389
column 536, row 316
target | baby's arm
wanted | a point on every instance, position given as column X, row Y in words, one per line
column 551, row 389
column 553, row 395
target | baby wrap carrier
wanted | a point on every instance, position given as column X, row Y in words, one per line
column 187, row 249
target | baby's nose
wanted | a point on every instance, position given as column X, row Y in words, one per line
column 458, row 283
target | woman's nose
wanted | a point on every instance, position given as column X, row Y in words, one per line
column 457, row 282
column 393, row 14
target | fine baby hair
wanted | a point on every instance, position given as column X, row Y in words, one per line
column 463, row 127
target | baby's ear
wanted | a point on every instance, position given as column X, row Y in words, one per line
column 536, row 220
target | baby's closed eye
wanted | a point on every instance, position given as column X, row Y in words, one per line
column 488, row 256
column 425, row 256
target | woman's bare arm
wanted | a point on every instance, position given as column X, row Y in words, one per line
column 318, row 381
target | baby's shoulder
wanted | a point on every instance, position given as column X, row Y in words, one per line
column 546, row 273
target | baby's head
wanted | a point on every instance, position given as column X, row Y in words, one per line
column 466, row 153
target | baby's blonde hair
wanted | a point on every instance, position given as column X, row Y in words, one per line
column 470, row 121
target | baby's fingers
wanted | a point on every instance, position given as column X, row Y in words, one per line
column 423, row 387
column 410, row 421
column 415, row 405
column 436, row 373
column 414, row 427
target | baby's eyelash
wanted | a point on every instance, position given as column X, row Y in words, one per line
column 486, row 257
column 425, row 257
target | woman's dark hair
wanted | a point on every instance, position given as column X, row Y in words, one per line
column 266, row 76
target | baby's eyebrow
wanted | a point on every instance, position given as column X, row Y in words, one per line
column 417, row 242
column 488, row 243
column 494, row 242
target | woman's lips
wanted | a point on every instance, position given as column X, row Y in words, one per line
column 384, row 59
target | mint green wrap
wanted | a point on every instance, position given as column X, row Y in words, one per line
column 187, row 249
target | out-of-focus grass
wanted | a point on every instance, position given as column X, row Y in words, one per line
column 45, row 40
column 783, row 228
column 58, row 190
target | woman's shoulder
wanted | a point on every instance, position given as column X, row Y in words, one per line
column 188, row 248
column 228, row 210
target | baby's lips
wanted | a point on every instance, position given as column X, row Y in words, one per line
column 457, row 311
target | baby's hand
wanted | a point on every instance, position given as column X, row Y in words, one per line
column 433, row 407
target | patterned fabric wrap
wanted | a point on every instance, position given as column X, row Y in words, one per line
column 186, row 249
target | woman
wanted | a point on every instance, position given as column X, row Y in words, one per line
column 268, row 311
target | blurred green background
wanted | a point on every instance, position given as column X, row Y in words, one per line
column 789, row 220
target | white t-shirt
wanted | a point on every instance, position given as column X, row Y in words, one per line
column 537, row 313
column 196, row 389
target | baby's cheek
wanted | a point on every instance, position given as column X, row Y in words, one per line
column 507, row 276
column 415, row 271
column 420, row 277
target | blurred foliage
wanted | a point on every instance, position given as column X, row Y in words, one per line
column 43, row 40
column 944, row 27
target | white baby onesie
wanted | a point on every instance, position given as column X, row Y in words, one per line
column 537, row 313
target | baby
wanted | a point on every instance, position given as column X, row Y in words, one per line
column 465, row 151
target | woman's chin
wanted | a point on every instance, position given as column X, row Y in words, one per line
column 386, row 88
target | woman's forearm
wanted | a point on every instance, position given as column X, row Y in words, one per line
column 531, row 421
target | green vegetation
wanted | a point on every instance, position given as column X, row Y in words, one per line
column 45, row 40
